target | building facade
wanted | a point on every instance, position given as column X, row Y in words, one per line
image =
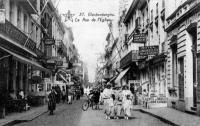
column 182, row 27
column 20, row 40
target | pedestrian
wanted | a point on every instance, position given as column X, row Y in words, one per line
column 63, row 94
column 110, row 108
column 78, row 94
column 58, row 93
column 52, row 101
column 127, row 107
column 144, row 97
column 118, row 108
column 96, row 95
column 125, row 92
column 101, row 97
column 70, row 94
column 106, row 96
column 67, row 92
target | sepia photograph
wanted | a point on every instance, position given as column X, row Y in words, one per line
column 99, row 62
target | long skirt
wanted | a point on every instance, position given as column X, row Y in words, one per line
column 69, row 99
column 127, row 110
column 106, row 107
column 109, row 111
column 118, row 110
column 51, row 105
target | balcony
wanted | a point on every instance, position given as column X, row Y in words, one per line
column 12, row 32
column 62, row 49
column 29, row 5
column 132, row 56
column 39, row 53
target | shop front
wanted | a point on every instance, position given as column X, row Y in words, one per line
column 153, row 81
column 130, row 68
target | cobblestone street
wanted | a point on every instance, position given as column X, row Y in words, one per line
column 72, row 115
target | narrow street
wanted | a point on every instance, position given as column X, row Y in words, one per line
column 72, row 115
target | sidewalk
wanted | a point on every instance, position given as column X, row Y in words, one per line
column 171, row 116
column 23, row 116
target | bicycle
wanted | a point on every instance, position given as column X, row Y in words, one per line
column 88, row 103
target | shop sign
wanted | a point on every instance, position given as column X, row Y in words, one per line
column 50, row 65
column 148, row 50
column 51, row 61
column 49, row 41
column 65, row 65
column 59, row 63
column 2, row 16
column 36, row 73
column 139, row 38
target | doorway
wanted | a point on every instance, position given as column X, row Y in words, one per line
column 192, row 30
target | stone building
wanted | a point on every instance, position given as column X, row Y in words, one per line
column 19, row 45
column 182, row 27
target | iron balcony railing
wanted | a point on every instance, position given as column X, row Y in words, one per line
column 132, row 56
column 11, row 31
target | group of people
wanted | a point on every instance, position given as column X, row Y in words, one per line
column 117, row 101
column 65, row 94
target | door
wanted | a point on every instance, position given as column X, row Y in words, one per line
column 181, row 78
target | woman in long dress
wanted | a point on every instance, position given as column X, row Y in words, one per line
column 118, row 108
column 125, row 101
column 52, row 101
column 106, row 97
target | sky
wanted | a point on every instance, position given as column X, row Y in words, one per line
column 89, row 31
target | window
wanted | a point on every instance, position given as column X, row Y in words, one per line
column 2, row 4
column 32, row 30
column 181, row 78
column 18, row 17
column 25, row 24
column 11, row 12
column 37, row 35
column 174, row 65
column 157, row 9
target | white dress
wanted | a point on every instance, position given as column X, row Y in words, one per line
column 127, row 107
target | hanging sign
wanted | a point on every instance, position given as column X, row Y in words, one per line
column 49, row 41
column 148, row 50
column 139, row 38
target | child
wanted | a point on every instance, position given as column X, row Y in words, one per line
column 110, row 107
column 127, row 107
column 118, row 105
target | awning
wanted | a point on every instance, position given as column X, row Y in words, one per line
column 25, row 60
column 121, row 75
column 113, row 78
column 61, row 76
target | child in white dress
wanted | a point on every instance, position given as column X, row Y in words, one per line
column 110, row 108
column 127, row 107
